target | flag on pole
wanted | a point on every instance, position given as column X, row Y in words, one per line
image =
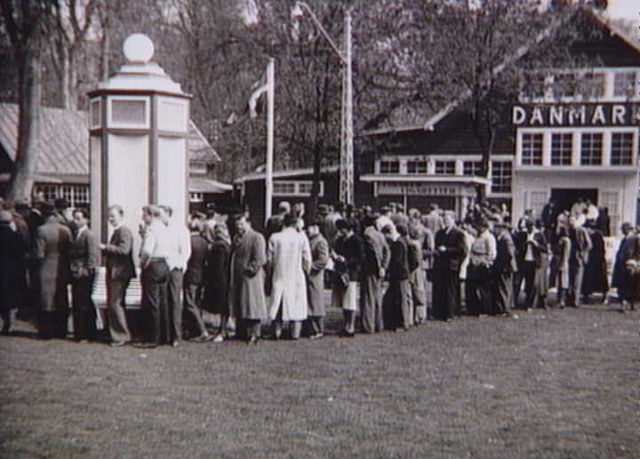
column 259, row 88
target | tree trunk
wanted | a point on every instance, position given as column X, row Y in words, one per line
column 65, row 80
column 315, row 185
column 28, row 125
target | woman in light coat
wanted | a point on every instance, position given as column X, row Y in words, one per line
column 289, row 256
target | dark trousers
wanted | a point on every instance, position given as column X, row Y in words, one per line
column 154, row 300
column 576, row 273
column 53, row 324
column 116, row 316
column 174, row 287
column 83, row 308
column 397, row 305
column 518, row 278
column 192, row 307
column 478, row 290
column 529, row 275
column 371, row 303
column 315, row 324
column 5, row 315
column 446, row 293
column 250, row 328
column 502, row 292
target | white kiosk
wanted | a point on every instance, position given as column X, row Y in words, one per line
column 138, row 128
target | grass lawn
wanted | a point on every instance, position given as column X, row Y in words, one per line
column 558, row 383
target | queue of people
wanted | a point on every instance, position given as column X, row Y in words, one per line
column 387, row 270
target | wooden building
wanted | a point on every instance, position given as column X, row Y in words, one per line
column 62, row 169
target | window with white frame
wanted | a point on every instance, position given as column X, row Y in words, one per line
column 445, row 167
column 622, row 149
column 624, row 84
column 591, row 149
column 561, row 149
column 565, row 85
column 295, row 188
column 75, row 195
column 389, row 167
column 593, row 85
column 417, row 167
column 532, row 149
column 196, row 197
column 472, row 168
column 501, row 175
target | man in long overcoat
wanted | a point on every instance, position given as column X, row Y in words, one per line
column 315, row 280
column 247, row 278
column 451, row 249
column 376, row 262
column 289, row 257
column 52, row 244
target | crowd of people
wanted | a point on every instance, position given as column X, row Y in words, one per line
column 386, row 269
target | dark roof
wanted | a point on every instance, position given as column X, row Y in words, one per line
column 410, row 118
column 63, row 143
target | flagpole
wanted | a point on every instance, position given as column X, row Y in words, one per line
column 270, row 138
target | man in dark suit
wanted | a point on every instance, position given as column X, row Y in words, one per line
column 376, row 261
column 83, row 258
column 120, row 271
column 503, row 268
column 193, row 280
column 451, row 249
column 397, row 299
column 52, row 244
column 580, row 247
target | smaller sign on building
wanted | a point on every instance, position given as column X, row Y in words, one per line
column 415, row 189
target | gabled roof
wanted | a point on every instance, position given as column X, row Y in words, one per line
column 63, row 141
column 288, row 173
column 522, row 51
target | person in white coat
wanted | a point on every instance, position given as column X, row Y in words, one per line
column 289, row 257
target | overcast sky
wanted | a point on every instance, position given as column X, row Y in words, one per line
column 627, row 9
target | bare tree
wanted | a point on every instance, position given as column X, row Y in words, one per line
column 73, row 20
column 26, row 22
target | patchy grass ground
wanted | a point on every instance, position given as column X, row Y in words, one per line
column 560, row 383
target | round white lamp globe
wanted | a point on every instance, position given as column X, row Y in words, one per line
column 138, row 48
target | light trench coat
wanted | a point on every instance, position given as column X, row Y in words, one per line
column 289, row 256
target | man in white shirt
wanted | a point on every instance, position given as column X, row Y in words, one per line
column 154, row 254
column 179, row 251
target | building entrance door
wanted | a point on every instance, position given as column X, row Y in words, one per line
column 567, row 197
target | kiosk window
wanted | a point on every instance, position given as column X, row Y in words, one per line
column 561, row 149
